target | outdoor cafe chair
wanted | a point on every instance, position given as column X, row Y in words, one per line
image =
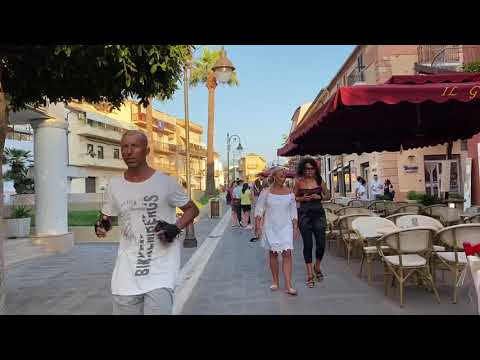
column 412, row 249
column 348, row 235
column 410, row 208
column 448, row 216
column 341, row 200
column 378, row 207
column 331, row 207
column 395, row 217
column 350, row 210
column 359, row 203
column 332, row 232
column 433, row 210
column 454, row 237
column 413, row 220
column 474, row 219
column 392, row 206
column 367, row 229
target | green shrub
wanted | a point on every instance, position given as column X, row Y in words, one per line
column 413, row 195
column 427, row 200
column 21, row 212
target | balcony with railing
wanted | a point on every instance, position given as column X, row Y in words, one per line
column 163, row 147
column 439, row 55
column 166, row 167
column 159, row 125
column 196, row 150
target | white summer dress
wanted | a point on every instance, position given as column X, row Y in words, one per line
column 277, row 211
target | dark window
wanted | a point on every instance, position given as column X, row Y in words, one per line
column 335, row 181
column 90, row 149
column 360, row 67
column 90, row 122
column 100, row 152
column 116, row 153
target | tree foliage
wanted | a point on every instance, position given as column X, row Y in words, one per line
column 472, row 67
column 93, row 73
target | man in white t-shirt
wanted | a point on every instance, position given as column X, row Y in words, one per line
column 376, row 188
column 148, row 259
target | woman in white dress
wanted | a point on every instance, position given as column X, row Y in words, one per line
column 276, row 226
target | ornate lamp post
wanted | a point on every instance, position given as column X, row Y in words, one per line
column 239, row 148
column 222, row 71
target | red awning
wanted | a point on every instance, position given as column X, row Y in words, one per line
column 407, row 111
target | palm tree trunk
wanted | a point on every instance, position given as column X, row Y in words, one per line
column 3, row 134
column 211, row 85
column 149, row 121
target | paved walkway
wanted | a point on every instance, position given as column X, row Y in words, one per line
column 237, row 279
column 77, row 282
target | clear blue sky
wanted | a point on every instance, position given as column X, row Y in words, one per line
column 274, row 81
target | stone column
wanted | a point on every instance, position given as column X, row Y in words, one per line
column 50, row 148
column 51, row 185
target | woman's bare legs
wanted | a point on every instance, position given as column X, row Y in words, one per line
column 274, row 269
column 234, row 218
column 246, row 217
column 287, row 271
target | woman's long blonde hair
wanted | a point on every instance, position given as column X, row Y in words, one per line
column 271, row 179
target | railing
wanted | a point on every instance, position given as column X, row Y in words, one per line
column 354, row 77
column 438, row 54
column 164, row 147
column 194, row 149
column 140, row 119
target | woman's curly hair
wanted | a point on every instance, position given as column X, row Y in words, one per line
column 301, row 168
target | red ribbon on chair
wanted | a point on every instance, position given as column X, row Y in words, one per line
column 471, row 250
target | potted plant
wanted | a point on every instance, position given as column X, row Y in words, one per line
column 18, row 225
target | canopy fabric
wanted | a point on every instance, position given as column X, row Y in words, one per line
column 407, row 111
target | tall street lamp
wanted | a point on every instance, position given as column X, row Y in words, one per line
column 190, row 240
column 222, row 71
column 239, row 148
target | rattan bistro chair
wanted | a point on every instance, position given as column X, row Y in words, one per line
column 410, row 208
column 366, row 228
column 392, row 206
column 454, row 237
column 378, row 207
column 474, row 219
column 412, row 249
column 395, row 217
column 348, row 236
column 352, row 210
column 433, row 210
column 332, row 233
column 359, row 203
column 331, row 207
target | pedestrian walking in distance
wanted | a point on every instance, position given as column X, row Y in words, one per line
column 148, row 259
column 246, row 198
column 276, row 226
column 236, row 201
column 310, row 190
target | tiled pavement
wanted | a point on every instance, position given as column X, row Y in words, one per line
column 237, row 279
column 77, row 282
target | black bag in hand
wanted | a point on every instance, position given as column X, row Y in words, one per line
column 104, row 223
column 168, row 232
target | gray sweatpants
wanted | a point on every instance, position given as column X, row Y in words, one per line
column 155, row 302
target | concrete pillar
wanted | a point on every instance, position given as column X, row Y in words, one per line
column 51, row 187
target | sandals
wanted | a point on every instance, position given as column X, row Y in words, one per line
column 318, row 273
column 274, row 287
column 310, row 282
column 291, row 291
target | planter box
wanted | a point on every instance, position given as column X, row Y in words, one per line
column 18, row 228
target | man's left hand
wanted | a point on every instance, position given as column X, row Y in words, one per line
column 166, row 231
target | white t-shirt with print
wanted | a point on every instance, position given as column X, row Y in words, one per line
column 144, row 263
column 362, row 191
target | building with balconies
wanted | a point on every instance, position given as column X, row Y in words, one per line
column 411, row 170
column 250, row 165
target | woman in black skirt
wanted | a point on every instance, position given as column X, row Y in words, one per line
column 310, row 190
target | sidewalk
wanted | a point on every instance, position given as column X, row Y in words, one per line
column 77, row 282
column 237, row 280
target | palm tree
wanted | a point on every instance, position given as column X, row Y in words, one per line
column 19, row 161
column 202, row 73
